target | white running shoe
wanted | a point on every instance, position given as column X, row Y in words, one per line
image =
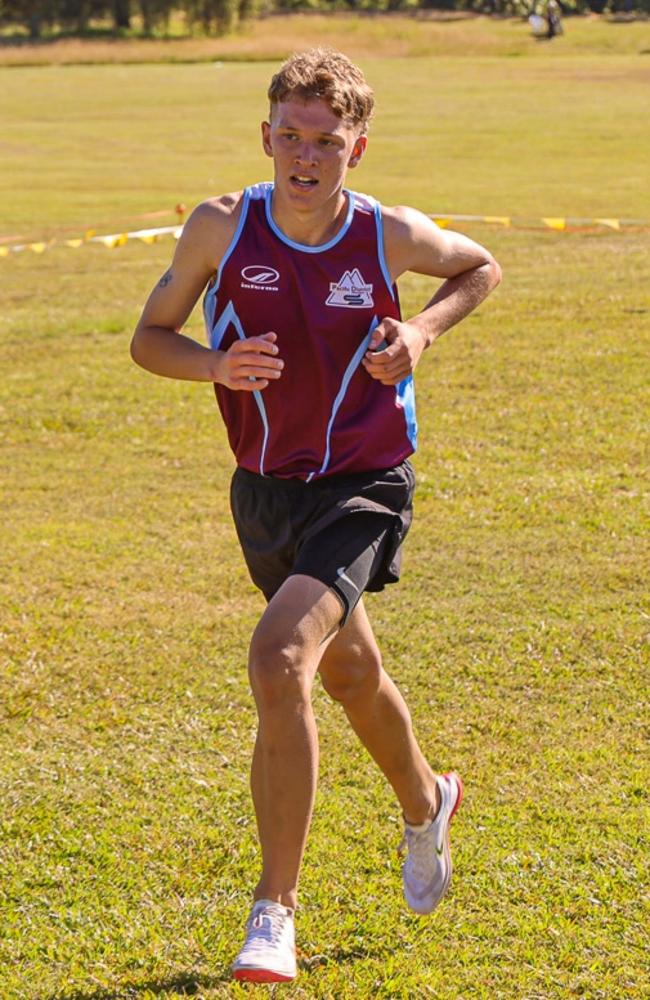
column 427, row 870
column 269, row 952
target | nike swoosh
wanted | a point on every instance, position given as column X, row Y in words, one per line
column 343, row 576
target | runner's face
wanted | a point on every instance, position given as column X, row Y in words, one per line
column 312, row 150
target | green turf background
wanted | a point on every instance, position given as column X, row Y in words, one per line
column 518, row 634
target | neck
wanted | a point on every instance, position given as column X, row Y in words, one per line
column 311, row 227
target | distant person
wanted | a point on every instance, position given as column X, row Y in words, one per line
column 313, row 371
column 553, row 19
column 538, row 24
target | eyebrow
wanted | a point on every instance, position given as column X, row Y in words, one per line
column 296, row 128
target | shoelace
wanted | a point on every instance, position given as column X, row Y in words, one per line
column 270, row 932
column 419, row 850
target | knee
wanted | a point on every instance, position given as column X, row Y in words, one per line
column 356, row 675
column 277, row 669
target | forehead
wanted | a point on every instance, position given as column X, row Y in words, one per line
column 315, row 115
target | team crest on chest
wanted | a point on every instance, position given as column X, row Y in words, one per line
column 350, row 291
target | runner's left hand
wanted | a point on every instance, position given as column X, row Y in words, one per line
column 394, row 351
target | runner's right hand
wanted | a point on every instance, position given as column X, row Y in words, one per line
column 250, row 364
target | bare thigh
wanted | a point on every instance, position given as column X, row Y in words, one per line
column 351, row 662
column 288, row 643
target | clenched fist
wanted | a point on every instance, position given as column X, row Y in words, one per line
column 394, row 351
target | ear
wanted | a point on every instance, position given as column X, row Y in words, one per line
column 358, row 150
column 266, row 138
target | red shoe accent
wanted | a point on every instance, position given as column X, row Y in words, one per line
column 455, row 777
column 262, row 976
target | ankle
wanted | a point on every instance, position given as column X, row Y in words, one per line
column 425, row 811
column 289, row 899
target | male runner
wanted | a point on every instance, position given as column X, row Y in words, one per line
column 312, row 367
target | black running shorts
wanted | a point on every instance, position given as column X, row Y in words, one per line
column 345, row 531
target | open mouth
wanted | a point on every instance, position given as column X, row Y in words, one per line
column 303, row 181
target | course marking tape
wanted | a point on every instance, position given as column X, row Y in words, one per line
column 556, row 223
column 110, row 240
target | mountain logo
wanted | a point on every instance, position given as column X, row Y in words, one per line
column 350, row 291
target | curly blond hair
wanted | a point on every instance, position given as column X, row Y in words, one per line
column 331, row 76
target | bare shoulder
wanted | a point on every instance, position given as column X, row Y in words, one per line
column 399, row 215
column 413, row 242
column 408, row 235
column 223, row 206
column 204, row 240
column 405, row 225
column 212, row 225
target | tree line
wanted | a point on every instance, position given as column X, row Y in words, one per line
column 145, row 17
column 217, row 17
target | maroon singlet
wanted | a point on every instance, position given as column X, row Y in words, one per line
column 325, row 415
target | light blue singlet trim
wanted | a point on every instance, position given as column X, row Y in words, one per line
column 405, row 392
column 227, row 317
column 353, row 364
column 380, row 249
column 302, row 246
column 211, row 294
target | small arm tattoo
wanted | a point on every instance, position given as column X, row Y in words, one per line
column 166, row 278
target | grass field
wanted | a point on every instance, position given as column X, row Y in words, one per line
column 519, row 632
column 433, row 33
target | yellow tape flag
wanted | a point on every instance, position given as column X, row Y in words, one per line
column 503, row 220
column 73, row 243
column 4, row 251
column 113, row 241
column 37, row 247
column 441, row 222
column 555, row 223
column 148, row 239
column 612, row 223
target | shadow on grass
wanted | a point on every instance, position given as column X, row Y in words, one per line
column 339, row 956
column 186, row 984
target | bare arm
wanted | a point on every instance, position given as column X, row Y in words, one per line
column 415, row 243
column 160, row 347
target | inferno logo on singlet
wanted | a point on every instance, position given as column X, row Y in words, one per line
column 259, row 277
column 350, row 291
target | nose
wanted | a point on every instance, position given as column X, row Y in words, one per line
column 305, row 154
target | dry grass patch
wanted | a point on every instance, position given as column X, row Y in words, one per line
column 391, row 35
